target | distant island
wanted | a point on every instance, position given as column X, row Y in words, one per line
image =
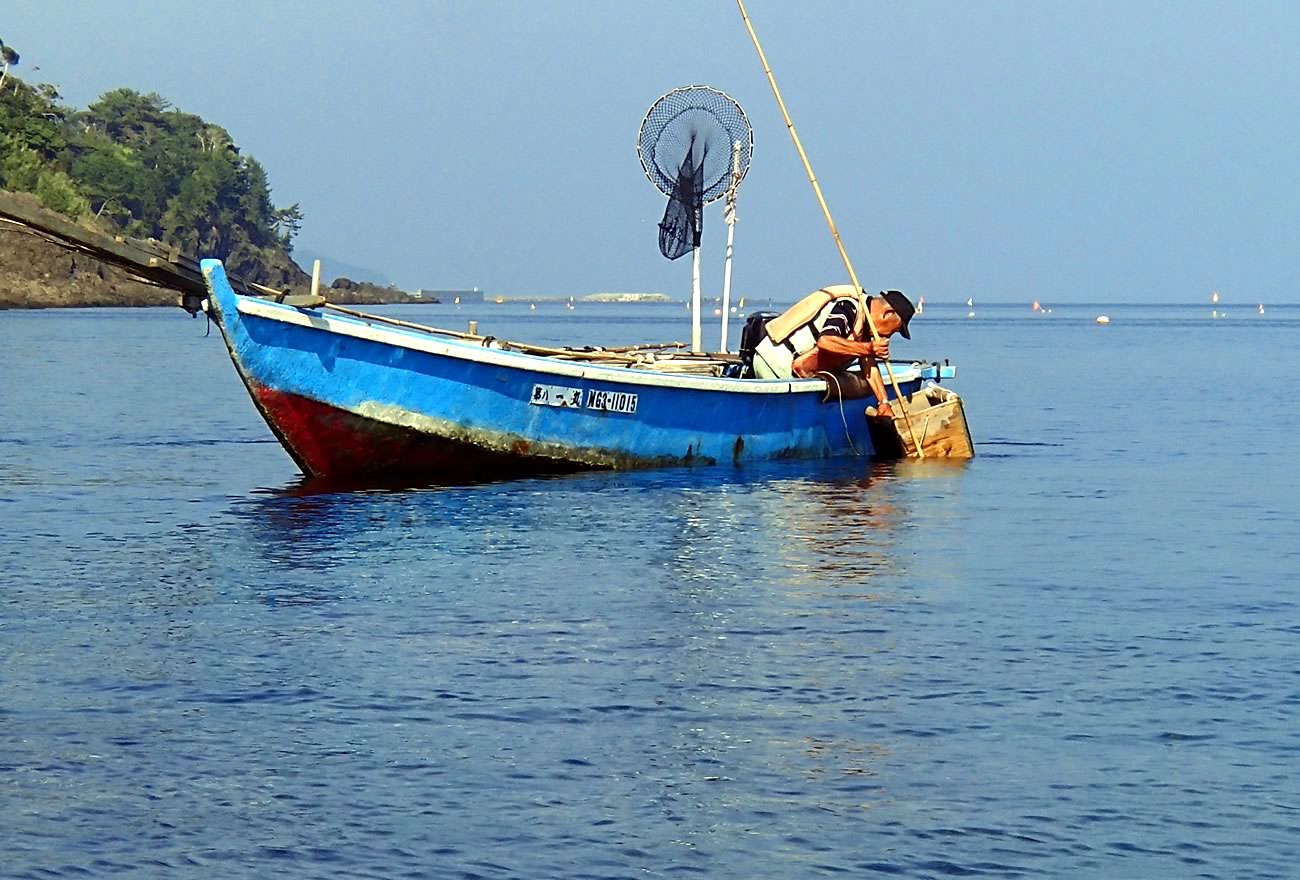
column 604, row 297
column 628, row 297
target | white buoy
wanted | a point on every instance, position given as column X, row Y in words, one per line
column 1103, row 319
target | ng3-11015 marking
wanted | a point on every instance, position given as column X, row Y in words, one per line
column 566, row 396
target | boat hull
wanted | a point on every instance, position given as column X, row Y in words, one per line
column 352, row 398
column 325, row 440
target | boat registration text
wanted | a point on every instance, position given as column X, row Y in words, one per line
column 565, row 396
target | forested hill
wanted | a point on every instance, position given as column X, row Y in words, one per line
column 132, row 164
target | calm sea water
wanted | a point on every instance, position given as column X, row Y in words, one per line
column 1077, row 656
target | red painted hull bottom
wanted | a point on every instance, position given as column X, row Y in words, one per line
column 330, row 443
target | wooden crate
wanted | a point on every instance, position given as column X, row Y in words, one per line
column 938, row 421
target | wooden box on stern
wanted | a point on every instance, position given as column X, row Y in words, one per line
column 938, row 422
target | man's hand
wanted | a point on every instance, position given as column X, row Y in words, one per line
column 878, row 348
column 885, row 410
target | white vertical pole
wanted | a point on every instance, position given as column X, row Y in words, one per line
column 696, row 342
column 729, row 215
column 315, row 278
column 726, row 284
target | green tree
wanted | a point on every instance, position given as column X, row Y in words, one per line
column 113, row 181
column 57, row 192
column 32, row 119
column 20, row 168
column 126, row 116
column 287, row 222
column 10, row 58
column 150, row 170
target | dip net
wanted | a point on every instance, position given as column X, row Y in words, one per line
column 686, row 144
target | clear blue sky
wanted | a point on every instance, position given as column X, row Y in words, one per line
column 1065, row 152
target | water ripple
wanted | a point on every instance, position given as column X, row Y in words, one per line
column 1073, row 657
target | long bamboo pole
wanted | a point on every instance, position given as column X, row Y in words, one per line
column 844, row 255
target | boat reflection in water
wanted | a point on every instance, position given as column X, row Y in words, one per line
column 820, row 525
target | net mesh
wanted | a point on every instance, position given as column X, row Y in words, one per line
column 686, row 144
column 683, row 221
column 697, row 119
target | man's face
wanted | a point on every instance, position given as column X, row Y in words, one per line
column 885, row 318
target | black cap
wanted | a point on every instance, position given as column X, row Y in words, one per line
column 902, row 306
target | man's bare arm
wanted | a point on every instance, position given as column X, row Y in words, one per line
column 838, row 345
column 872, row 370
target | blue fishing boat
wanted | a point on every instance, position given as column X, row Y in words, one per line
column 356, row 396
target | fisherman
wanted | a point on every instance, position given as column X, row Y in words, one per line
column 826, row 331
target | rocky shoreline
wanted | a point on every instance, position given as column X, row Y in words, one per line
column 38, row 272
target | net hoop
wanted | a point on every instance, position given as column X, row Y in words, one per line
column 708, row 116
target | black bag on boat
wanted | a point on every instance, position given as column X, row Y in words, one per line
column 750, row 335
